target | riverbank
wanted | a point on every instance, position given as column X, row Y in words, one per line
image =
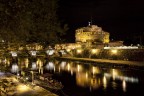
column 118, row 62
column 11, row 86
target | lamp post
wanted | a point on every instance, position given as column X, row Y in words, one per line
column 32, row 76
column 32, row 73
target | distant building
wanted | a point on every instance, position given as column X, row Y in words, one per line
column 34, row 46
column 91, row 36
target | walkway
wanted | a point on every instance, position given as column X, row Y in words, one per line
column 10, row 86
column 134, row 63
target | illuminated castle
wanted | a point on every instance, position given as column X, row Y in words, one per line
column 92, row 34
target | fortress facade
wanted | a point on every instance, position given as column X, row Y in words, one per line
column 91, row 36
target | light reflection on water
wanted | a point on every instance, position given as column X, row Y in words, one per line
column 85, row 76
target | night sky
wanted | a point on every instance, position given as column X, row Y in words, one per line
column 123, row 19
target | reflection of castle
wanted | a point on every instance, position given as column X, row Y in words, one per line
column 91, row 36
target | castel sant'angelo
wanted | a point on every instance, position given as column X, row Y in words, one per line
column 91, row 36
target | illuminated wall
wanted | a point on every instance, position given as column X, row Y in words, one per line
column 92, row 33
column 91, row 36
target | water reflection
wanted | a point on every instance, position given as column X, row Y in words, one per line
column 86, row 75
column 50, row 66
column 104, row 82
column 124, row 85
column 14, row 68
column 93, row 76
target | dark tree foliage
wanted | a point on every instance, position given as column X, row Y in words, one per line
column 29, row 21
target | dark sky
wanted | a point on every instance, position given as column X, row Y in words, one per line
column 123, row 19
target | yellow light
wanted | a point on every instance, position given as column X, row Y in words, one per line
column 95, row 70
column 114, row 51
column 79, row 51
column 68, row 66
column 68, row 50
column 104, row 82
column 94, row 51
column 79, row 68
column 71, row 72
column 114, row 73
column 22, row 88
column 86, row 75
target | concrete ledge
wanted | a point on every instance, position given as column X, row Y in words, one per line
column 122, row 62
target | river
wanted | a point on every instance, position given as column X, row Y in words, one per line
column 82, row 78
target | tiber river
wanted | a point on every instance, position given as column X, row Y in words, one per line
column 82, row 78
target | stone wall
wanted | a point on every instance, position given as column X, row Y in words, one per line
column 113, row 54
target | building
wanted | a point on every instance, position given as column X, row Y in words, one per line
column 91, row 36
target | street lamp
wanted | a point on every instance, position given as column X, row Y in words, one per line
column 32, row 77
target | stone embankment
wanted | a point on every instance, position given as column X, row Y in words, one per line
column 119, row 62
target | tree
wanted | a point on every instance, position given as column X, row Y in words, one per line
column 29, row 21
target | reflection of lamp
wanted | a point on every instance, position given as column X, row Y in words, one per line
column 95, row 70
column 63, row 64
column 114, row 73
column 104, row 82
column 14, row 68
column 78, row 68
column 124, row 85
column 68, row 66
column 34, row 65
column 50, row 66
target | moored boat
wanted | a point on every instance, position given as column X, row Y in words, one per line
column 48, row 82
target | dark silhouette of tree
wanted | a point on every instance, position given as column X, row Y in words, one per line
column 30, row 21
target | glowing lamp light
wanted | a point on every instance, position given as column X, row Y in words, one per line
column 79, row 51
column 94, row 51
column 22, row 88
column 63, row 51
column 13, row 53
column 50, row 52
column 114, row 51
column 68, row 50
column 33, row 53
column 27, row 78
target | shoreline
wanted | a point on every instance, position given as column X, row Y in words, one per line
column 118, row 62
